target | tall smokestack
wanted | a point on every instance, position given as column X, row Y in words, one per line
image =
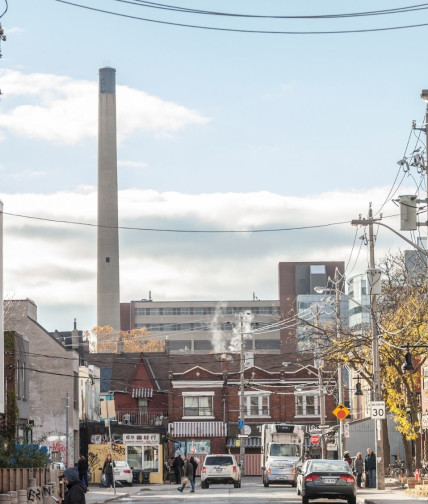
column 108, row 294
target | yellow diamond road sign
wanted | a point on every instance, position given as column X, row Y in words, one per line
column 341, row 411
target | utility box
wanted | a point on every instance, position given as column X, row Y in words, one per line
column 408, row 213
column 374, row 282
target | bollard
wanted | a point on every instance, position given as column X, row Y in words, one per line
column 22, row 496
column 13, row 497
column 34, row 495
column 5, row 499
column 32, row 482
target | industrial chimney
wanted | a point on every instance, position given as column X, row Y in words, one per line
column 108, row 292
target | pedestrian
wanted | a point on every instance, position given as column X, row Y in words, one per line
column 359, row 468
column 177, row 465
column 75, row 491
column 194, row 463
column 348, row 458
column 82, row 467
column 108, row 471
column 188, row 476
column 370, row 466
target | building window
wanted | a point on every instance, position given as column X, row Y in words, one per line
column 307, row 404
column 200, row 405
column 257, row 405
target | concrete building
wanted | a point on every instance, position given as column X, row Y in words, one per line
column 53, row 382
column 206, row 326
column 108, row 291
column 298, row 279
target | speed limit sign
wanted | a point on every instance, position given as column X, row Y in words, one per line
column 378, row 410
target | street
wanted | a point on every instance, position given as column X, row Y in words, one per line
column 251, row 492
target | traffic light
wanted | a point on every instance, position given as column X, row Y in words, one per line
column 408, row 364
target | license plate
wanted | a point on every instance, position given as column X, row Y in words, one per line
column 219, row 469
column 330, row 481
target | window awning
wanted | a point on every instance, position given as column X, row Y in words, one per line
column 250, row 442
column 142, row 392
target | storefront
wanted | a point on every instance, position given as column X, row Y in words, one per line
column 144, row 453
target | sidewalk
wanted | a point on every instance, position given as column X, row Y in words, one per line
column 388, row 496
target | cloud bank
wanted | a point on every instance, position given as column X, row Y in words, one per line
column 64, row 110
column 54, row 263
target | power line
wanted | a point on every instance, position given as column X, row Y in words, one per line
column 160, row 230
column 237, row 30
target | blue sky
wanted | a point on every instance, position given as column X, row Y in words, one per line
column 217, row 130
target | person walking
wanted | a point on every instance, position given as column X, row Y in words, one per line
column 82, row 467
column 194, row 463
column 108, row 471
column 188, row 476
column 75, row 491
column 177, row 465
column 370, row 466
column 359, row 468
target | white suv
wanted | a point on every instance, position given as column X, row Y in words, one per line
column 220, row 469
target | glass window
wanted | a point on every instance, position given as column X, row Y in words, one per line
column 134, row 457
column 267, row 344
column 257, row 405
column 197, row 406
column 151, row 458
column 202, row 345
column 307, row 404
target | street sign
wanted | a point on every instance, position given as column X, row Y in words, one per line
column 247, row 430
column 346, row 429
column 331, row 446
column 341, row 411
column 241, row 424
column 425, row 421
column 315, row 439
column 378, row 410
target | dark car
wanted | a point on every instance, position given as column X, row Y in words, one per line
column 326, row 479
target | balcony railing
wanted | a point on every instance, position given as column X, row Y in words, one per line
column 141, row 417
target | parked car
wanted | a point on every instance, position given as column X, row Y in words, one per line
column 220, row 469
column 326, row 479
column 122, row 472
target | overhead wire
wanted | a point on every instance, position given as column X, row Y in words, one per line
column 5, row 10
column 238, row 30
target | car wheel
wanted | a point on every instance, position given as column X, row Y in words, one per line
column 203, row 484
column 305, row 500
column 266, row 484
column 237, row 484
column 352, row 500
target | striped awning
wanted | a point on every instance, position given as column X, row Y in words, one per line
column 250, row 442
column 140, row 392
column 198, row 429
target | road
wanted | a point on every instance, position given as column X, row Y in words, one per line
column 251, row 492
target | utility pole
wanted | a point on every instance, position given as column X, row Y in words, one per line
column 319, row 365
column 242, row 400
column 339, row 367
column 67, row 409
column 377, row 392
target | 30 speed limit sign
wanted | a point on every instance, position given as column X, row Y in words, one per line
column 378, row 410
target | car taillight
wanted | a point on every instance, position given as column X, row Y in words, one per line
column 269, row 470
column 293, row 471
column 234, row 468
column 204, row 469
column 127, row 471
column 311, row 477
column 348, row 479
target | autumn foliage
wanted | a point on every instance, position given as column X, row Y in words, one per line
column 106, row 340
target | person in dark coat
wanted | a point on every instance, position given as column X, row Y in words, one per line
column 177, row 465
column 188, row 473
column 370, row 466
column 82, row 467
column 194, row 463
column 108, row 471
column 75, row 490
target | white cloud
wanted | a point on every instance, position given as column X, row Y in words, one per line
column 64, row 110
column 54, row 263
column 131, row 164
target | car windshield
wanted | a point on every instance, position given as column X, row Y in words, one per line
column 218, row 461
column 331, row 465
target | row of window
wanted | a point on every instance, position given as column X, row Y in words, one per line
column 257, row 344
column 194, row 326
column 201, row 405
column 207, row 310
